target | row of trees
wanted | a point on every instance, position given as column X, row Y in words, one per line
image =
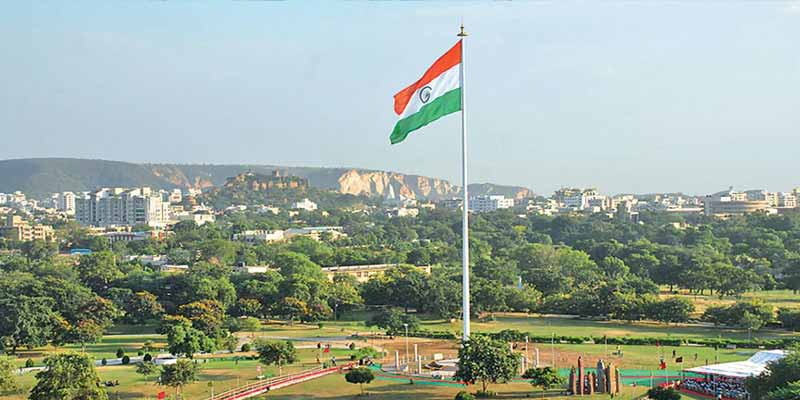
column 585, row 265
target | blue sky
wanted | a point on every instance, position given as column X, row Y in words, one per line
column 625, row 96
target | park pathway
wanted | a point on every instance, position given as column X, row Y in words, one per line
column 261, row 387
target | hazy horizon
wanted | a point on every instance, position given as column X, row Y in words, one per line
column 625, row 97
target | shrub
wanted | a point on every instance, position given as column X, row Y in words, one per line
column 29, row 363
column 126, row 360
column 120, row 353
column 147, row 357
column 352, row 346
column 462, row 395
column 790, row 318
column 103, row 362
column 246, row 347
column 660, row 393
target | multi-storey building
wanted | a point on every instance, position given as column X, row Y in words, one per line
column 730, row 202
column 787, row 200
column 64, row 202
column 575, row 198
column 259, row 236
column 363, row 273
column 17, row 229
column 454, row 203
column 118, row 206
column 489, row 203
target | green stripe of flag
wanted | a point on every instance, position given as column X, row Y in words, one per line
column 447, row 103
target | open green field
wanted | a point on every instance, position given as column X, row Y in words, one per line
column 334, row 387
column 539, row 325
column 535, row 325
column 224, row 372
column 776, row 298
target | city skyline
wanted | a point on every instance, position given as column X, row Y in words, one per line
column 625, row 97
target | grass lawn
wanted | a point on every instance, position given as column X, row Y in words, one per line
column 335, row 387
column 225, row 374
column 539, row 325
column 107, row 348
column 776, row 298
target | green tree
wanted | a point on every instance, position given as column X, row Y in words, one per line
column 545, row 378
column 146, row 369
column 38, row 250
column 26, row 321
column 207, row 316
column 98, row 270
column 525, row 299
column 248, row 307
column 789, row 392
column 276, row 353
column 343, row 294
column 8, row 381
column 394, row 321
column 143, row 306
column 179, row 374
column 360, row 376
column 292, row 308
column 673, row 309
column 182, row 338
column 484, row 360
column 68, row 376
column 88, row 323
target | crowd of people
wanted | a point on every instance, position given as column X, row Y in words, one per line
column 727, row 388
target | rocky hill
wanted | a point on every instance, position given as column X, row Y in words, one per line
column 40, row 176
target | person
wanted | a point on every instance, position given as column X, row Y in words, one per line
column 673, row 353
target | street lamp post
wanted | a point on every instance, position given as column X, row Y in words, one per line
column 406, row 327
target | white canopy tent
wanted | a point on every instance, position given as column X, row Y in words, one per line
column 753, row 366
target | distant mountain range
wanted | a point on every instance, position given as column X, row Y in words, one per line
column 41, row 176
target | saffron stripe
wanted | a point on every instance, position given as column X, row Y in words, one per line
column 445, row 62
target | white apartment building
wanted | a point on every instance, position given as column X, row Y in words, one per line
column 64, row 202
column 489, row 203
column 316, row 232
column 259, row 236
column 787, row 200
column 119, row 206
column 306, row 204
column 576, row 198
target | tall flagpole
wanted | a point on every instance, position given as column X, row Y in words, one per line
column 465, row 205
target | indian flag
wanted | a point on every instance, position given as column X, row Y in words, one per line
column 433, row 96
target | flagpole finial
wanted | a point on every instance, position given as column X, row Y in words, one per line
column 462, row 33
